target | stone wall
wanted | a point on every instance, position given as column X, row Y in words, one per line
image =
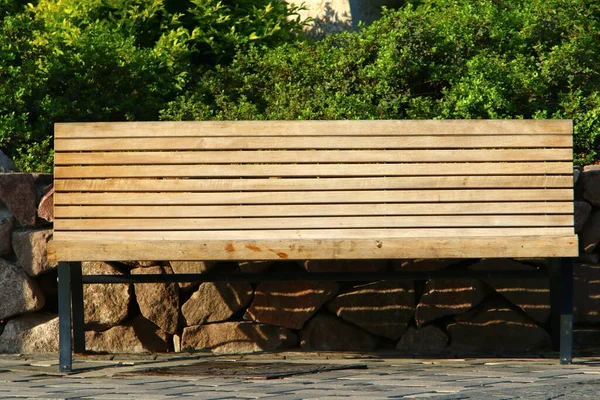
column 434, row 317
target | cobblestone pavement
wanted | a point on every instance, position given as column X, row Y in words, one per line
column 122, row 377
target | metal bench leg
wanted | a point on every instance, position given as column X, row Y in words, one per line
column 77, row 304
column 566, row 311
column 65, row 357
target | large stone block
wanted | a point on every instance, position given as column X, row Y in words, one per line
column 289, row 304
column 237, row 337
column 531, row 295
column 46, row 205
column 428, row 340
column 6, row 227
column 18, row 192
column 590, row 179
column 190, row 267
column 30, row 247
column 214, row 302
column 19, row 294
column 30, row 333
column 382, row 308
column 586, row 298
column 158, row 302
column 6, row 164
column 106, row 304
column 326, row 332
column 443, row 298
column 428, row 264
column 495, row 328
column 582, row 212
column 136, row 336
column 589, row 236
column 345, row 265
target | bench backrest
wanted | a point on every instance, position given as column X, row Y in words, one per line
column 287, row 184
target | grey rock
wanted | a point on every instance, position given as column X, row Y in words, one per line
column 345, row 265
column 289, row 304
column 237, row 337
column 586, row 296
column 6, row 164
column 18, row 192
column 158, row 302
column 6, row 227
column 326, row 332
column 46, row 205
column 30, row 333
column 106, row 304
column 423, row 264
column 444, row 298
column 254, row 267
column 19, row 294
column 495, row 328
column 428, row 340
column 590, row 180
column 382, row 308
column 214, row 302
column 531, row 295
column 190, row 267
column 136, row 336
column 30, row 247
column 582, row 212
column 589, row 236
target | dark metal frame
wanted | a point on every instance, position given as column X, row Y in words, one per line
column 71, row 280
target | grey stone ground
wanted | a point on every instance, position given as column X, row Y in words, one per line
column 108, row 377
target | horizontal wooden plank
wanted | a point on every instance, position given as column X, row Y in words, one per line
column 310, row 142
column 297, row 234
column 375, row 196
column 416, row 221
column 422, row 247
column 313, row 170
column 178, row 211
column 207, row 185
column 309, row 128
column 310, row 156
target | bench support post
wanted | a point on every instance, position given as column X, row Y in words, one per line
column 65, row 357
column 77, row 304
column 561, row 289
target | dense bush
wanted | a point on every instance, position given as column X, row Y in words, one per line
column 111, row 60
column 440, row 59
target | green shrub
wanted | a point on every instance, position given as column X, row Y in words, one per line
column 439, row 59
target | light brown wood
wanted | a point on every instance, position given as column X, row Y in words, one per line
column 457, row 247
column 311, row 128
column 311, row 156
column 319, row 170
column 417, row 221
column 179, row 211
column 297, row 234
column 313, row 189
column 208, row 185
column 375, row 196
column 310, row 142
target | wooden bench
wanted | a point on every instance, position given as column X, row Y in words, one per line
column 291, row 190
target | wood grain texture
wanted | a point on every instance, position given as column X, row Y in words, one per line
column 277, row 249
column 313, row 189
column 372, row 196
column 312, row 128
column 363, row 183
column 179, row 211
column 311, row 156
column 314, row 142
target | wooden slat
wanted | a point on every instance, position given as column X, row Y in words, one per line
column 207, row 185
column 316, row 234
column 321, row 170
column 310, row 142
column 312, row 210
column 310, row 156
column 528, row 246
column 440, row 221
column 394, row 196
column 310, row 128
